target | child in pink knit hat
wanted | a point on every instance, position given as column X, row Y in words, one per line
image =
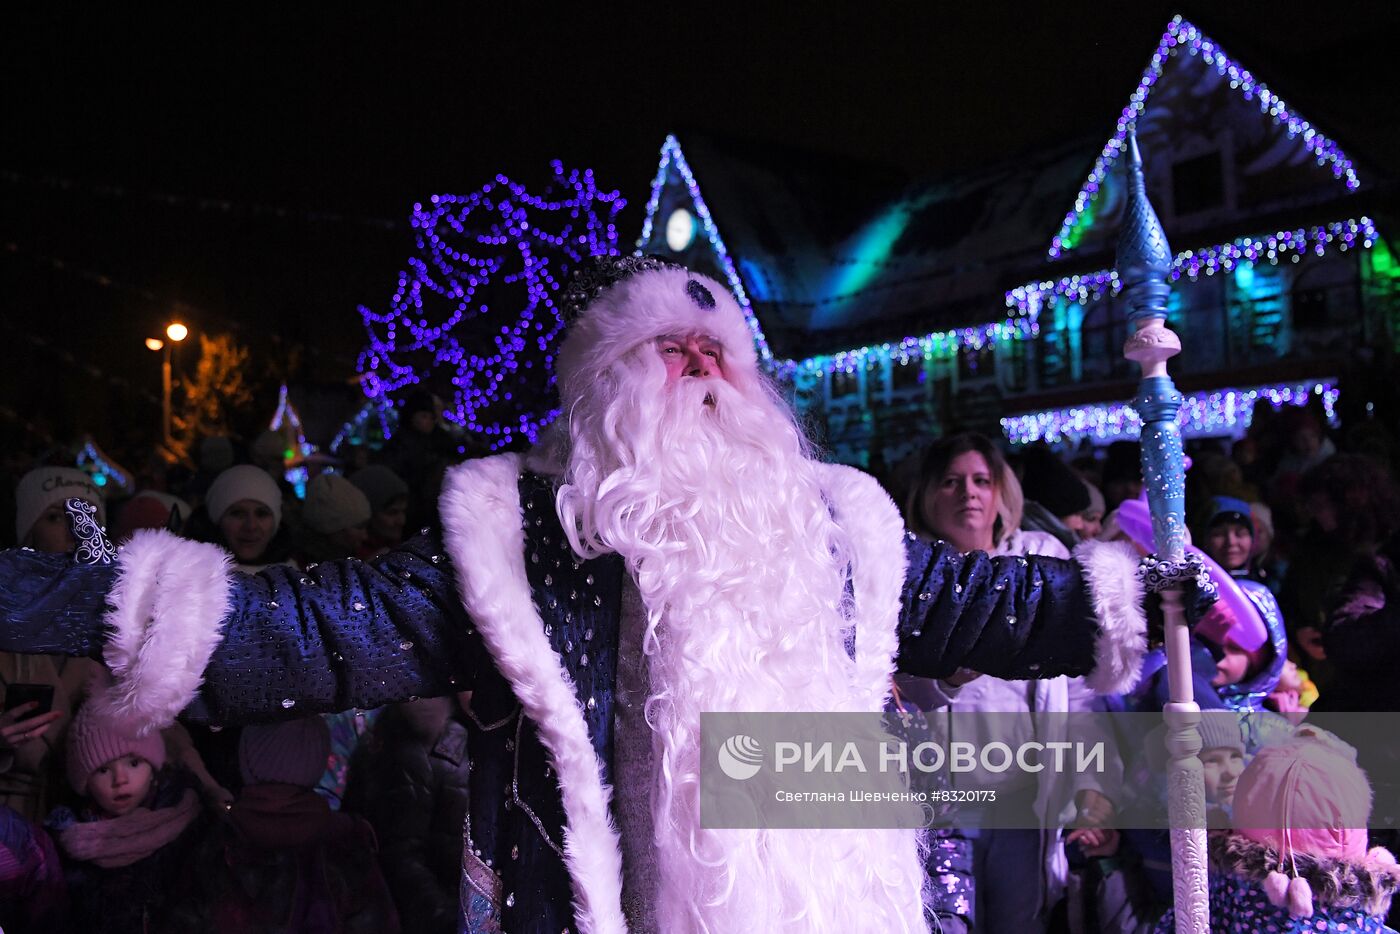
column 125, row 847
column 114, row 768
column 1297, row 859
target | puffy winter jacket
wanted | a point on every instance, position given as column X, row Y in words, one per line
column 409, row 778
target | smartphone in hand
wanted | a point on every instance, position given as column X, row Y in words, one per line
column 21, row 693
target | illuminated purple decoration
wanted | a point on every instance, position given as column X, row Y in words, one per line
column 475, row 315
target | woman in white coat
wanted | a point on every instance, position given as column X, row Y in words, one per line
column 968, row 496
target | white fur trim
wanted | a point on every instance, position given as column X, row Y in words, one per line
column 167, row 612
column 483, row 532
column 876, row 532
column 1110, row 570
column 643, row 307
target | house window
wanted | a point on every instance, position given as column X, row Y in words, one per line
column 844, row 385
column 975, row 363
column 680, row 230
column 1310, row 308
column 1013, row 365
column 1101, row 337
column 1052, row 355
column 906, row 376
column 1198, row 184
column 1324, row 294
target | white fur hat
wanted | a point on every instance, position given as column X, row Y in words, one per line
column 624, row 301
column 243, row 482
column 334, row 503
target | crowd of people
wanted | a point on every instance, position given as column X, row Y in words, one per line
column 1309, row 535
column 377, row 819
column 342, row 822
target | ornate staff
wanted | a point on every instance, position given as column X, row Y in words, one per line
column 1144, row 260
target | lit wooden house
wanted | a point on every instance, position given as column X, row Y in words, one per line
column 896, row 310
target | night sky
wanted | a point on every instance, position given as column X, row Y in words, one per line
column 124, row 138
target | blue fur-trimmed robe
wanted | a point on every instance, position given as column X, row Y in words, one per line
column 503, row 608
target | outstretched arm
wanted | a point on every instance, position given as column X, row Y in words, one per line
column 1024, row 617
column 184, row 628
column 342, row 634
column 51, row 606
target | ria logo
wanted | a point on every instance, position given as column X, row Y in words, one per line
column 741, row 757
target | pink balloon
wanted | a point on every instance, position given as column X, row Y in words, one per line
column 1233, row 615
column 1135, row 519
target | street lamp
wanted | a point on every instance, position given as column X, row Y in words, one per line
column 176, row 332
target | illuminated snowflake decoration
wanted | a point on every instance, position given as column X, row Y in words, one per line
column 475, row 317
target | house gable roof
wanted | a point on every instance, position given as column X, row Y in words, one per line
column 829, row 254
column 1278, row 152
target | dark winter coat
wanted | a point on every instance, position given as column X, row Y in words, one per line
column 507, row 611
column 410, row 778
column 1362, row 636
column 282, row 862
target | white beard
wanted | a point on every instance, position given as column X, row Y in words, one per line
column 709, row 495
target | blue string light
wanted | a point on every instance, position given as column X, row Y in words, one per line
column 1031, row 298
column 1205, row 414
column 474, row 249
column 1181, row 34
column 1027, row 301
column 909, row 350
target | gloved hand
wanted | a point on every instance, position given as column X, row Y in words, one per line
column 1189, row 575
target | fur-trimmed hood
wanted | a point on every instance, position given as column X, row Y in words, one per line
column 1249, row 694
column 1365, row 885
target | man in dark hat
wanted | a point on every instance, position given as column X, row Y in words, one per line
column 670, row 548
column 420, row 452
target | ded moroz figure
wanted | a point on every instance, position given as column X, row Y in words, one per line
column 671, row 547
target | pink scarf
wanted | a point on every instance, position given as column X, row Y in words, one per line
column 121, row 841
